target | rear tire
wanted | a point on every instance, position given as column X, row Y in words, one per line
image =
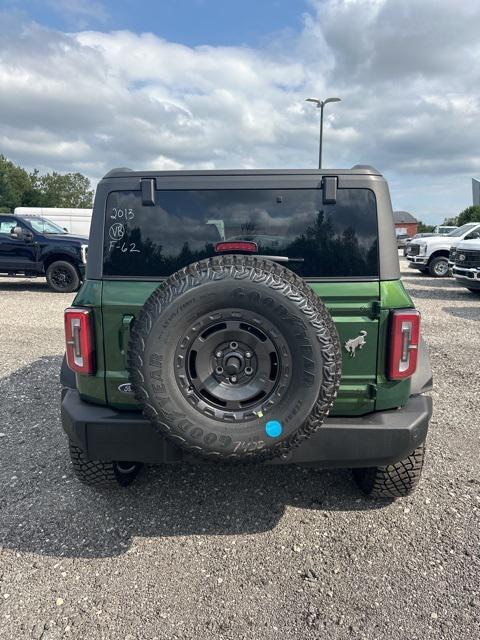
column 394, row 480
column 102, row 475
column 63, row 277
column 438, row 267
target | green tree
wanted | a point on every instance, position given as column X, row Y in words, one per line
column 15, row 182
column 451, row 222
column 68, row 190
column 19, row 188
column 470, row 214
column 425, row 228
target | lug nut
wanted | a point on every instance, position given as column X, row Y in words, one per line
column 219, row 370
column 248, row 371
column 233, row 379
column 219, row 354
column 248, row 354
column 233, row 345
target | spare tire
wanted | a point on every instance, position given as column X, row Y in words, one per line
column 234, row 357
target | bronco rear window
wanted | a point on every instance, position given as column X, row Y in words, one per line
column 326, row 240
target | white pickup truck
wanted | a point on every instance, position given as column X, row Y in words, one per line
column 466, row 264
column 430, row 255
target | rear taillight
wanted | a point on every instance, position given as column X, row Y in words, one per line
column 80, row 340
column 404, row 342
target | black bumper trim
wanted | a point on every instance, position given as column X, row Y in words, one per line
column 379, row 438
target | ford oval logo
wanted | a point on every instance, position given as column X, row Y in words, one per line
column 461, row 257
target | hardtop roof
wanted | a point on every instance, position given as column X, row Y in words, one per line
column 123, row 172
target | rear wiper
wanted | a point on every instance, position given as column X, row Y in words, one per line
column 282, row 258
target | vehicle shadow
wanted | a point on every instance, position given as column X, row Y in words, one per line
column 466, row 313
column 25, row 284
column 415, row 275
column 44, row 509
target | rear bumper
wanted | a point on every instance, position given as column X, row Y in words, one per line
column 379, row 438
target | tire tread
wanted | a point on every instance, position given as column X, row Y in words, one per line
column 394, row 480
column 96, row 473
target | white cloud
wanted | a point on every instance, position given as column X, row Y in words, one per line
column 407, row 73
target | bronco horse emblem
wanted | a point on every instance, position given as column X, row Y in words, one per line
column 356, row 343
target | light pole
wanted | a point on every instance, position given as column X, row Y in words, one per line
column 320, row 104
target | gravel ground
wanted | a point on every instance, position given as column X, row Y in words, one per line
column 234, row 553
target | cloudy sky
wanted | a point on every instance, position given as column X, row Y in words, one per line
column 87, row 85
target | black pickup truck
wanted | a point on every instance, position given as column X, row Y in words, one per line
column 33, row 246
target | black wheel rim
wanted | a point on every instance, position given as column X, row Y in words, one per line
column 233, row 365
column 62, row 278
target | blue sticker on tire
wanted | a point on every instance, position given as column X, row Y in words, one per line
column 273, row 428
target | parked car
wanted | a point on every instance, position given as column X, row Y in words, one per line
column 466, row 267
column 33, row 246
column 430, row 255
column 184, row 345
column 402, row 238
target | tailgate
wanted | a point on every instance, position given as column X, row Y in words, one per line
column 353, row 305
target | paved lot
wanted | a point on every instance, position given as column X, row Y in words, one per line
column 245, row 553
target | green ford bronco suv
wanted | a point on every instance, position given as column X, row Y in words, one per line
column 245, row 316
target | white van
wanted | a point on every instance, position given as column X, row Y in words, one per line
column 75, row 221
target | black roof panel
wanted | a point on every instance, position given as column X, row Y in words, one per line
column 357, row 170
